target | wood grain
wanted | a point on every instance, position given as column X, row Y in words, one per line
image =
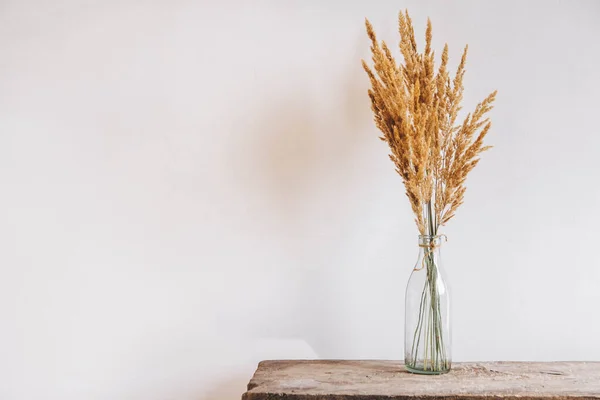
column 375, row 380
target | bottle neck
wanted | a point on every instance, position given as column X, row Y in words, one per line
column 429, row 251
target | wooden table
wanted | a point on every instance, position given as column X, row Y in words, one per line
column 375, row 380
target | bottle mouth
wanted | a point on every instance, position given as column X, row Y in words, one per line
column 432, row 240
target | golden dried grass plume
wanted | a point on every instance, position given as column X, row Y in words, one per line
column 416, row 108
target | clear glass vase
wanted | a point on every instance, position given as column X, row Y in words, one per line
column 427, row 338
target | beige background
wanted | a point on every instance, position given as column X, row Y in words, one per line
column 188, row 187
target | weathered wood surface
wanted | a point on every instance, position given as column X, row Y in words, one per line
column 375, row 380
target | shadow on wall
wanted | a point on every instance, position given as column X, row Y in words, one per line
column 303, row 154
column 302, row 147
column 305, row 146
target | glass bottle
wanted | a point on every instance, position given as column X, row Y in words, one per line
column 427, row 338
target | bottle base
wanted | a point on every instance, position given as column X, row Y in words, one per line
column 426, row 372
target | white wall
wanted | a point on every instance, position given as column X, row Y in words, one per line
column 188, row 187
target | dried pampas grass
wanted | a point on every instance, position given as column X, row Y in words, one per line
column 416, row 108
